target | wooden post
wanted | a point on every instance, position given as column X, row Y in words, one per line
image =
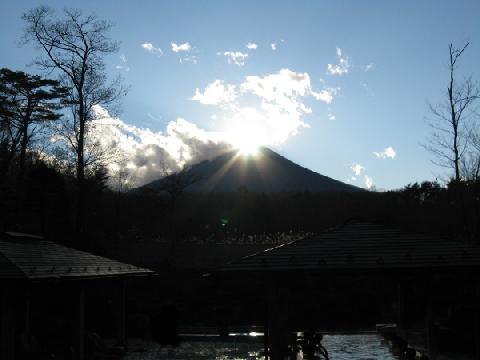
column 79, row 323
column 430, row 330
column 278, row 324
column 402, row 320
column 122, row 313
column 266, row 329
column 8, row 325
column 28, row 298
column 476, row 315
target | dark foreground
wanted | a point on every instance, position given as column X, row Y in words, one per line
column 340, row 347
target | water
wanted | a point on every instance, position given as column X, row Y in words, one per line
column 340, row 347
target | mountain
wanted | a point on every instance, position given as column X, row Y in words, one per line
column 266, row 172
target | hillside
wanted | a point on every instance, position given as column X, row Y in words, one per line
column 265, row 172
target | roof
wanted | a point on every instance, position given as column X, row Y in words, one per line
column 31, row 257
column 361, row 246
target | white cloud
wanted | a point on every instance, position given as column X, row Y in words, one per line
column 267, row 109
column 388, row 152
column 148, row 155
column 331, row 117
column 369, row 182
column 357, row 169
column 182, row 47
column 236, row 57
column 191, row 58
column 368, row 67
column 342, row 67
column 184, row 53
column 152, row 49
column 274, row 45
column 215, row 93
column 251, row 46
column 325, row 95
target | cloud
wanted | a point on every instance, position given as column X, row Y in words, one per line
column 265, row 109
column 368, row 182
column 191, row 58
column 182, row 47
column 123, row 65
column 251, row 46
column 388, row 152
column 148, row 155
column 368, row 67
column 274, row 45
column 148, row 47
column 235, row 57
column 325, row 95
column 357, row 169
column 215, row 93
column 342, row 67
column 183, row 50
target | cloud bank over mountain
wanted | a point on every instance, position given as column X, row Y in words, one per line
column 148, row 155
column 261, row 110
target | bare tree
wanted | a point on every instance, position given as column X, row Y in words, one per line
column 452, row 124
column 471, row 162
column 73, row 46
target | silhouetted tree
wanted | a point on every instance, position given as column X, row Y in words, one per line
column 74, row 46
column 8, row 141
column 452, row 129
column 31, row 101
column 176, row 183
column 470, row 164
column 45, row 191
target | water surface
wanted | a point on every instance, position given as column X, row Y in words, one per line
column 340, row 347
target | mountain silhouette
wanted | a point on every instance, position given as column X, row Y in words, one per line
column 266, row 172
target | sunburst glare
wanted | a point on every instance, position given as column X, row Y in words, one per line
column 247, row 135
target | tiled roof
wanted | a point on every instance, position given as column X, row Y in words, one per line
column 361, row 246
column 31, row 257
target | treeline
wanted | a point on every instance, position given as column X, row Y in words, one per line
column 46, row 206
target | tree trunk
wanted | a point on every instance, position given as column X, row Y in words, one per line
column 453, row 120
column 81, row 168
column 23, row 151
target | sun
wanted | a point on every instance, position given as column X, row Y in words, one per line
column 246, row 133
column 247, row 142
column 247, row 148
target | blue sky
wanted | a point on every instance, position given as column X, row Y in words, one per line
column 387, row 60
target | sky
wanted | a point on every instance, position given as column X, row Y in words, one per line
column 339, row 87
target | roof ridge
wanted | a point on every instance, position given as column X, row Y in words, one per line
column 15, row 234
column 17, row 268
column 41, row 259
